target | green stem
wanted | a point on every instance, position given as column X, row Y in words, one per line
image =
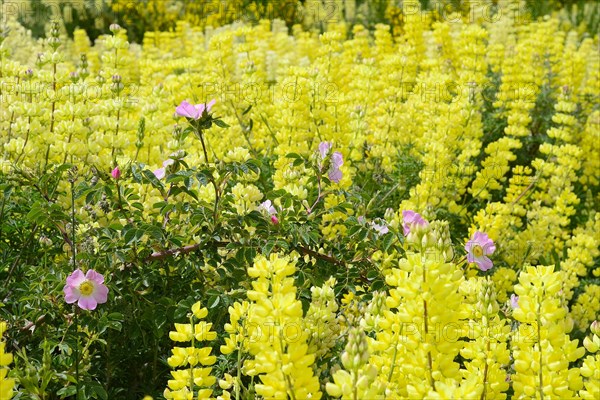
column 77, row 382
column 53, row 98
column 318, row 194
column 4, row 198
column 108, row 363
column 212, row 180
column 73, row 224
column 121, row 202
column 112, row 154
column 201, row 136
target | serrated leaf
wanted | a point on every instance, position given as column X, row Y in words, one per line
column 67, row 391
column 282, row 244
column 203, row 178
column 388, row 239
column 154, row 232
column 362, row 234
column 132, row 235
column 152, row 179
column 353, row 230
column 371, row 275
column 220, row 123
column 378, row 284
column 268, row 247
column 213, row 301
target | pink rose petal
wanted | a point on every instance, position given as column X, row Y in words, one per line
column 87, row 303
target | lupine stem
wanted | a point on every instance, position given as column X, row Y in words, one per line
column 73, row 223
column 393, row 363
column 485, row 370
column 288, row 382
column 540, row 375
column 239, row 374
column 191, row 366
column 426, row 323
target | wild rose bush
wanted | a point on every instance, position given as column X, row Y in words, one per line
column 245, row 213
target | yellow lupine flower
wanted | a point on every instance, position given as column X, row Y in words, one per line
column 543, row 329
column 6, row 384
column 281, row 357
column 193, row 379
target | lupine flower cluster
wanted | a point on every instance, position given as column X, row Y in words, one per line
column 6, row 384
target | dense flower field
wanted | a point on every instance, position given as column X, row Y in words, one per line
column 327, row 210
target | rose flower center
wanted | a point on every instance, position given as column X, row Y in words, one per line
column 477, row 251
column 86, row 288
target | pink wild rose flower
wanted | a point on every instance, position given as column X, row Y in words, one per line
column 478, row 248
column 411, row 219
column 324, row 148
column 337, row 160
column 381, row 228
column 87, row 290
column 161, row 172
column 188, row 110
column 268, row 207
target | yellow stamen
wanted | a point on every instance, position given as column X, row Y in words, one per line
column 477, row 251
column 86, row 288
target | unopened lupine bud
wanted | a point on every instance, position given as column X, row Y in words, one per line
column 54, row 43
column 117, row 86
column 40, row 60
column 56, row 58
column 595, row 328
column 114, row 28
column 45, row 241
column 356, row 353
column 373, row 311
column 84, row 73
column 100, row 79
